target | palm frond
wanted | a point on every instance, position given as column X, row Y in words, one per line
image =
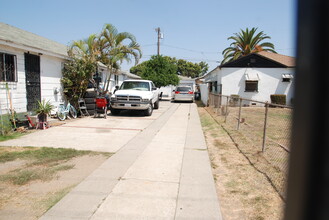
column 245, row 42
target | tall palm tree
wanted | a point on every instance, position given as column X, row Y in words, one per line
column 109, row 47
column 87, row 50
column 117, row 47
column 247, row 42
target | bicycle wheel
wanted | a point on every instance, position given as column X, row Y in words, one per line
column 61, row 115
column 73, row 112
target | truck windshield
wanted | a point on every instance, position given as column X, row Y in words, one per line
column 143, row 86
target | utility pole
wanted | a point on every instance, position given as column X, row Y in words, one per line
column 159, row 37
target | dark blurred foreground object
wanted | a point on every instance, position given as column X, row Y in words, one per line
column 308, row 182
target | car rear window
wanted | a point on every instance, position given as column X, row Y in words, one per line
column 183, row 89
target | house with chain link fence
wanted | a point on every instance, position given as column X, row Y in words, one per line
column 256, row 76
column 241, row 94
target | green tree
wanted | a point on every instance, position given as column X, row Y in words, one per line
column 189, row 69
column 138, row 69
column 87, row 50
column 109, row 47
column 161, row 71
column 117, row 47
column 246, row 42
column 184, row 68
column 76, row 75
column 204, row 68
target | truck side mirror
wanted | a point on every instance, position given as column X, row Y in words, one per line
column 154, row 88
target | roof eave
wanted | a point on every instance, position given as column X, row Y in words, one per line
column 32, row 49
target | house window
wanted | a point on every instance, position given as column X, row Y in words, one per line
column 8, row 68
column 287, row 77
column 251, row 86
column 215, row 87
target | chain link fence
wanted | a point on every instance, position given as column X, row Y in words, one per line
column 261, row 131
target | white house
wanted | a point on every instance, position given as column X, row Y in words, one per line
column 255, row 76
column 116, row 78
column 31, row 66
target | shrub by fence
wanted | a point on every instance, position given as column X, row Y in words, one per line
column 278, row 99
column 261, row 131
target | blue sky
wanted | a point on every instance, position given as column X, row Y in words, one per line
column 195, row 30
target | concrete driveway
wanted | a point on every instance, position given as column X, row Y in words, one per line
column 161, row 168
column 96, row 134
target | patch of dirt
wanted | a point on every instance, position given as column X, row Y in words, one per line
column 243, row 192
column 30, row 201
column 12, row 165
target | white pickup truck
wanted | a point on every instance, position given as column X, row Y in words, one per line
column 139, row 95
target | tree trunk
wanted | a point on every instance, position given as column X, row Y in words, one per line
column 108, row 81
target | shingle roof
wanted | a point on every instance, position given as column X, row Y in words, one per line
column 283, row 59
column 262, row 59
column 18, row 36
column 131, row 75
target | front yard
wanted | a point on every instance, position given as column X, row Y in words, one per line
column 244, row 193
column 32, row 180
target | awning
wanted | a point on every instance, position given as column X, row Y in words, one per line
column 287, row 76
column 251, row 76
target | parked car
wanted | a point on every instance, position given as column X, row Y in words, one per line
column 183, row 93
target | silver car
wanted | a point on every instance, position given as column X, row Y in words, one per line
column 183, row 93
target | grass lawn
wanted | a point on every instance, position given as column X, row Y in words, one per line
column 42, row 163
column 11, row 135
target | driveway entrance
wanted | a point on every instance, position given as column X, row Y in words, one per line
column 95, row 134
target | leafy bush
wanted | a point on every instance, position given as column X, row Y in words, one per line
column 278, row 99
column 5, row 125
column 76, row 75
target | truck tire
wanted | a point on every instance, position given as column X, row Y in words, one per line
column 149, row 110
column 156, row 104
column 91, row 112
column 115, row 111
column 89, row 100
column 90, row 94
column 91, row 106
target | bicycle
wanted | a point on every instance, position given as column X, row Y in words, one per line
column 63, row 112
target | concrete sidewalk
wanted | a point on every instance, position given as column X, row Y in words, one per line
column 162, row 173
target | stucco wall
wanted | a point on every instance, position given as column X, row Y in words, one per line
column 270, row 82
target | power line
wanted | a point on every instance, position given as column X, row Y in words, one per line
column 195, row 51
column 202, row 52
column 189, row 59
column 148, row 45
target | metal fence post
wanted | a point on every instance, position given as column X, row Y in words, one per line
column 212, row 100
column 239, row 117
column 226, row 112
column 218, row 104
column 265, row 125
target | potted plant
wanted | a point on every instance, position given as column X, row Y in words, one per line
column 43, row 109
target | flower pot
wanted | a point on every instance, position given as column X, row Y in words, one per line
column 42, row 117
